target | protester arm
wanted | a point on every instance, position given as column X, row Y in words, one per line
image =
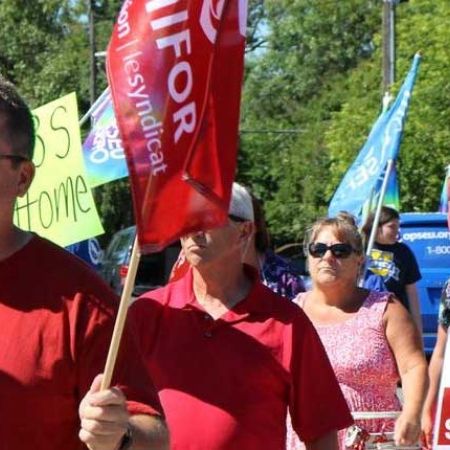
column 405, row 342
column 105, row 414
column 326, row 442
column 414, row 305
column 434, row 372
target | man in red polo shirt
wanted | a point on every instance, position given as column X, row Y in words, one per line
column 229, row 357
column 57, row 318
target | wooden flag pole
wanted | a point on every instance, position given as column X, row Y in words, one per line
column 119, row 325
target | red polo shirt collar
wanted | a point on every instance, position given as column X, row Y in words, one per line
column 251, row 304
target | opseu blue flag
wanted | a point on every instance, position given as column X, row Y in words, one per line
column 102, row 150
column 382, row 145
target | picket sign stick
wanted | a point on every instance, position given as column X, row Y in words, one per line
column 125, row 300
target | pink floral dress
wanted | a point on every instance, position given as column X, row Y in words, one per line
column 363, row 363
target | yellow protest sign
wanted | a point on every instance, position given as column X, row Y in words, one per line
column 59, row 204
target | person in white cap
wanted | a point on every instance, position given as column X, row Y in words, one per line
column 274, row 271
column 229, row 356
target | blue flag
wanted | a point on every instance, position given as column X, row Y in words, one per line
column 382, row 145
column 102, row 150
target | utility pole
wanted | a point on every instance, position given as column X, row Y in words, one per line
column 92, row 50
column 388, row 44
column 388, row 49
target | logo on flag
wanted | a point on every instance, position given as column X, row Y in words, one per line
column 211, row 12
column 103, row 153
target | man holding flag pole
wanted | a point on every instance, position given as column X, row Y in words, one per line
column 57, row 316
column 229, row 356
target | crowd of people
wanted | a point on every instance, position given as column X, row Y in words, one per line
column 231, row 354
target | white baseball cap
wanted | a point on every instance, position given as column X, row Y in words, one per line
column 241, row 203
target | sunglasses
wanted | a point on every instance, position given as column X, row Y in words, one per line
column 318, row 250
column 16, row 158
column 237, row 219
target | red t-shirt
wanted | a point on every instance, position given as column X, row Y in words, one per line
column 227, row 383
column 56, row 321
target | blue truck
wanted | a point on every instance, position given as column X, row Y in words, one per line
column 428, row 236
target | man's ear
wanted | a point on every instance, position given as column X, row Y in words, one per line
column 26, row 175
column 247, row 230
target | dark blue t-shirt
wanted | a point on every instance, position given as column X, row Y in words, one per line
column 397, row 265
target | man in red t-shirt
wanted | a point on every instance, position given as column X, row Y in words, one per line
column 56, row 319
column 229, row 356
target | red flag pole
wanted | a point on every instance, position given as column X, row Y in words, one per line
column 121, row 318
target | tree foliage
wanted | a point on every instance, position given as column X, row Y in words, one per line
column 425, row 149
column 312, row 45
column 45, row 52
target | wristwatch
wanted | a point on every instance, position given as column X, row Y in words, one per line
column 127, row 439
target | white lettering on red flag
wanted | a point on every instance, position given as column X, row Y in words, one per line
column 175, row 69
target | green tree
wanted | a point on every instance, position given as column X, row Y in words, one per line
column 425, row 148
column 43, row 48
column 321, row 75
column 45, row 51
column 313, row 67
column 312, row 45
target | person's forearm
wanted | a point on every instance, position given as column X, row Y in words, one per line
column 415, row 313
column 326, row 442
column 149, row 432
column 434, row 372
column 415, row 385
column 414, row 306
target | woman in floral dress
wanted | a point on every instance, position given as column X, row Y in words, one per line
column 370, row 338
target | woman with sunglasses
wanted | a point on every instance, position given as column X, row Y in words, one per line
column 370, row 338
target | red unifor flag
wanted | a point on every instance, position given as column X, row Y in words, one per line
column 175, row 69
